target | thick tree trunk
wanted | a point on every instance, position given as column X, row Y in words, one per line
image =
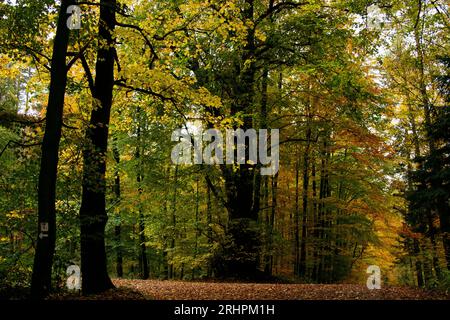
column 242, row 258
column 93, row 216
column 45, row 247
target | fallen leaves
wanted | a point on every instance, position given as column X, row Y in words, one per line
column 181, row 290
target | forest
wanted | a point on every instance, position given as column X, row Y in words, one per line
column 223, row 141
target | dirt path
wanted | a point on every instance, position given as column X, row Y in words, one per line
column 180, row 290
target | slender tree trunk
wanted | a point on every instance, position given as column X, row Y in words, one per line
column 302, row 262
column 118, row 226
column 143, row 262
column 315, row 223
column 427, row 266
column 45, row 247
column 197, row 229
column 297, row 221
column 174, row 220
column 273, row 210
column 419, row 269
column 323, row 216
column 166, row 270
column 93, row 216
column 268, row 262
column 328, row 221
column 209, row 226
column 444, row 218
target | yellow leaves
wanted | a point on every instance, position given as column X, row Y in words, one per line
column 15, row 214
column 204, row 97
column 127, row 157
column 248, row 63
column 260, row 35
column 8, row 69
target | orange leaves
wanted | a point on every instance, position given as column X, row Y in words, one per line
column 178, row 290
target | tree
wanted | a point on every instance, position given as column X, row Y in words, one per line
column 45, row 248
column 433, row 174
column 93, row 216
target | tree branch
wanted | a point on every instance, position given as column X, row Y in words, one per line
column 77, row 55
column 142, row 33
column 10, row 142
column 118, row 9
column 121, row 83
column 215, row 192
column 278, row 8
column 88, row 73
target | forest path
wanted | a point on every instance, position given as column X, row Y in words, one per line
column 183, row 290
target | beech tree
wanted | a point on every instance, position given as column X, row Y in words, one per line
column 93, row 216
column 45, row 247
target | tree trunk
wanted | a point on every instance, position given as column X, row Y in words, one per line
column 302, row 262
column 197, row 229
column 418, row 264
column 45, row 247
column 241, row 260
column 268, row 258
column 315, row 222
column 297, row 221
column 209, row 226
column 174, row 221
column 273, row 211
column 118, row 226
column 93, row 216
column 143, row 262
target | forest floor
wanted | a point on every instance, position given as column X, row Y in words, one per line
column 185, row 290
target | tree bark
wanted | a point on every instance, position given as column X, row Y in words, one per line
column 93, row 216
column 302, row 262
column 45, row 247
column 118, row 226
column 174, row 221
column 418, row 264
column 297, row 220
column 209, row 227
column 242, row 258
column 143, row 262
